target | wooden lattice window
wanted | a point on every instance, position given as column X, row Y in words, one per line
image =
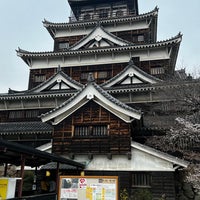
column 63, row 45
column 16, row 114
column 96, row 75
column 119, row 13
column 103, row 13
column 141, row 179
column 157, row 70
column 91, row 130
column 87, row 16
column 140, row 38
column 40, row 78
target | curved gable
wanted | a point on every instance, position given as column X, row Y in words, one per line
column 92, row 92
column 131, row 75
column 99, row 37
column 60, row 81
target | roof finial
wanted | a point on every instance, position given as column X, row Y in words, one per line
column 91, row 77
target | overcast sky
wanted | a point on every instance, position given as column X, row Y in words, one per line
column 21, row 26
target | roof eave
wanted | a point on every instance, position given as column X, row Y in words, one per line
column 157, row 153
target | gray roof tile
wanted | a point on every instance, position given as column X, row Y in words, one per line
column 25, row 128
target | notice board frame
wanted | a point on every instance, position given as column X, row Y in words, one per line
column 88, row 188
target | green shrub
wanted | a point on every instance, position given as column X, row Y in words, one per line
column 124, row 194
column 142, row 194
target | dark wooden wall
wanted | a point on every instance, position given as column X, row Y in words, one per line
column 117, row 141
column 110, row 69
column 75, row 73
column 161, row 183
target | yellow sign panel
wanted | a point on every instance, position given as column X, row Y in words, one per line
column 3, row 188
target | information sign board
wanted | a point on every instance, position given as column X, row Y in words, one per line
column 88, row 188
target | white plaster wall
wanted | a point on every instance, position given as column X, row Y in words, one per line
column 140, row 161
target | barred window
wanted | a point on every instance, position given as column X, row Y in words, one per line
column 140, row 38
column 103, row 74
column 40, row 78
column 141, row 179
column 32, row 113
column 119, row 13
column 103, row 13
column 84, row 75
column 96, row 75
column 16, row 114
column 157, row 70
column 23, row 114
column 87, row 16
column 95, row 130
column 63, row 45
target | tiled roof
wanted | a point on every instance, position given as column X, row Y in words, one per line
column 53, row 165
column 25, row 128
column 157, row 153
column 63, row 75
column 174, row 40
column 99, row 95
column 104, row 93
column 79, row 85
column 114, row 100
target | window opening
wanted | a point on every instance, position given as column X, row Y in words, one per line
column 91, row 130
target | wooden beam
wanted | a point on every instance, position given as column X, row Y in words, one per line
column 5, row 169
column 57, row 177
column 22, row 176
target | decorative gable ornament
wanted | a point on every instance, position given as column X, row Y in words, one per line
column 90, row 96
column 99, row 34
column 98, row 38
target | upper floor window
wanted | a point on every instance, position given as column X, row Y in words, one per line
column 140, row 38
column 23, row 114
column 63, row 45
column 96, row 75
column 102, row 75
column 40, row 78
column 103, row 13
column 87, row 16
column 119, row 13
column 91, row 130
column 157, row 70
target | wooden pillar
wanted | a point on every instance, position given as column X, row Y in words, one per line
column 22, row 176
column 57, row 177
column 5, row 169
